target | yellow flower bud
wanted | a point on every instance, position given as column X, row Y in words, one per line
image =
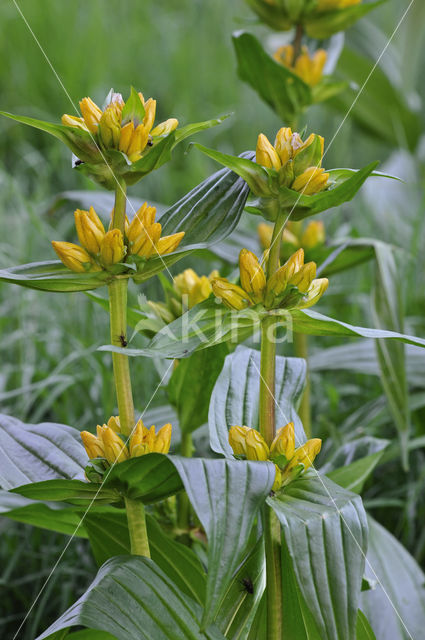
column 144, row 243
column 305, row 455
column 74, row 257
column 114, row 447
column 277, row 479
column 265, row 233
column 126, row 136
column 314, row 234
column 285, row 55
column 266, row 154
column 329, row 5
column 90, row 229
column 231, row 295
column 168, row 244
column 92, row 445
column 311, row 181
column 237, row 440
column 278, row 282
column 138, row 143
column 91, row 114
column 284, row 442
column 110, row 125
column 112, row 248
column 165, row 128
column 283, row 145
column 163, row 439
column 310, row 68
column 143, row 219
column 150, row 110
column 253, row 279
column 195, row 288
column 73, row 121
column 114, row 424
column 256, row 446
column 314, row 293
column 303, row 278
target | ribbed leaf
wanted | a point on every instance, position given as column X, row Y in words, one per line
column 364, row 630
column 132, row 599
column 281, row 89
column 396, row 606
column 226, row 495
column 191, row 384
column 52, row 275
column 76, row 492
column 325, row 530
column 234, row 400
column 37, row 452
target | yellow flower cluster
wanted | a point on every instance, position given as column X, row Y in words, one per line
column 113, row 129
column 250, row 444
column 329, row 5
column 299, row 162
column 188, row 289
column 101, row 249
column 313, row 235
column 109, row 444
column 308, row 67
column 293, row 285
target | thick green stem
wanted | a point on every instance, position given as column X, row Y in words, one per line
column 137, row 528
column 298, row 40
column 304, row 411
column 118, row 321
column 267, row 424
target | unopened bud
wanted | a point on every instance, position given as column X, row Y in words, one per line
column 92, row 445
column 305, row 454
column 311, row 181
column 114, row 447
column 284, row 442
column 110, row 126
column 163, row 439
column 112, row 248
column 303, row 278
column 266, row 154
column 165, row 128
column 74, row 257
column 168, row 244
column 256, row 446
column 91, row 114
column 231, row 295
column 253, row 279
column 114, row 424
column 314, row 293
column 314, row 234
column 90, row 229
column 237, row 440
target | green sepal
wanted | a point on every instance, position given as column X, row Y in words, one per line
column 311, row 156
column 133, row 109
column 323, row 24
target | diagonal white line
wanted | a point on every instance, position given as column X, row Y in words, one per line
column 91, row 135
column 299, row 443
column 55, row 566
column 359, row 93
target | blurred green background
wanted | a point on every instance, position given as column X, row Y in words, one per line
column 180, row 52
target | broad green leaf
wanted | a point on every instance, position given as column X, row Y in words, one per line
column 364, row 630
column 234, row 400
column 388, row 312
column 76, row 492
column 196, row 127
column 191, row 384
column 46, row 515
column 133, row 599
column 239, row 606
column 325, row 530
column 279, row 87
column 37, row 452
column 226, row 496
column 395, row 608
column 87, row 635
column 52, row 275
column 208, row 323
column 207, row 214
column 352, row 464
column 322, row 25
column 109, row 537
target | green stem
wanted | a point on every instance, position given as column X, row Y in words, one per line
column 117, row 290
column 304, row 411
column 137, row 528
column 267, row 424
column 298, row 39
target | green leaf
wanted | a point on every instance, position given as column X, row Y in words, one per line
column 196, row 127
column 226, row 496
column 279, row 87
column 75, row 492
column 364, row 630
column 133, row 599
column 388, row 312
column 52, row 516
column 133, row 109
column 191, row 384
column 396, row 606
column 321, row 25
column 239, row 606
column 351, row 465
column 234, row 400
column 325, row 531
column 52, row 275
column 37, row 452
